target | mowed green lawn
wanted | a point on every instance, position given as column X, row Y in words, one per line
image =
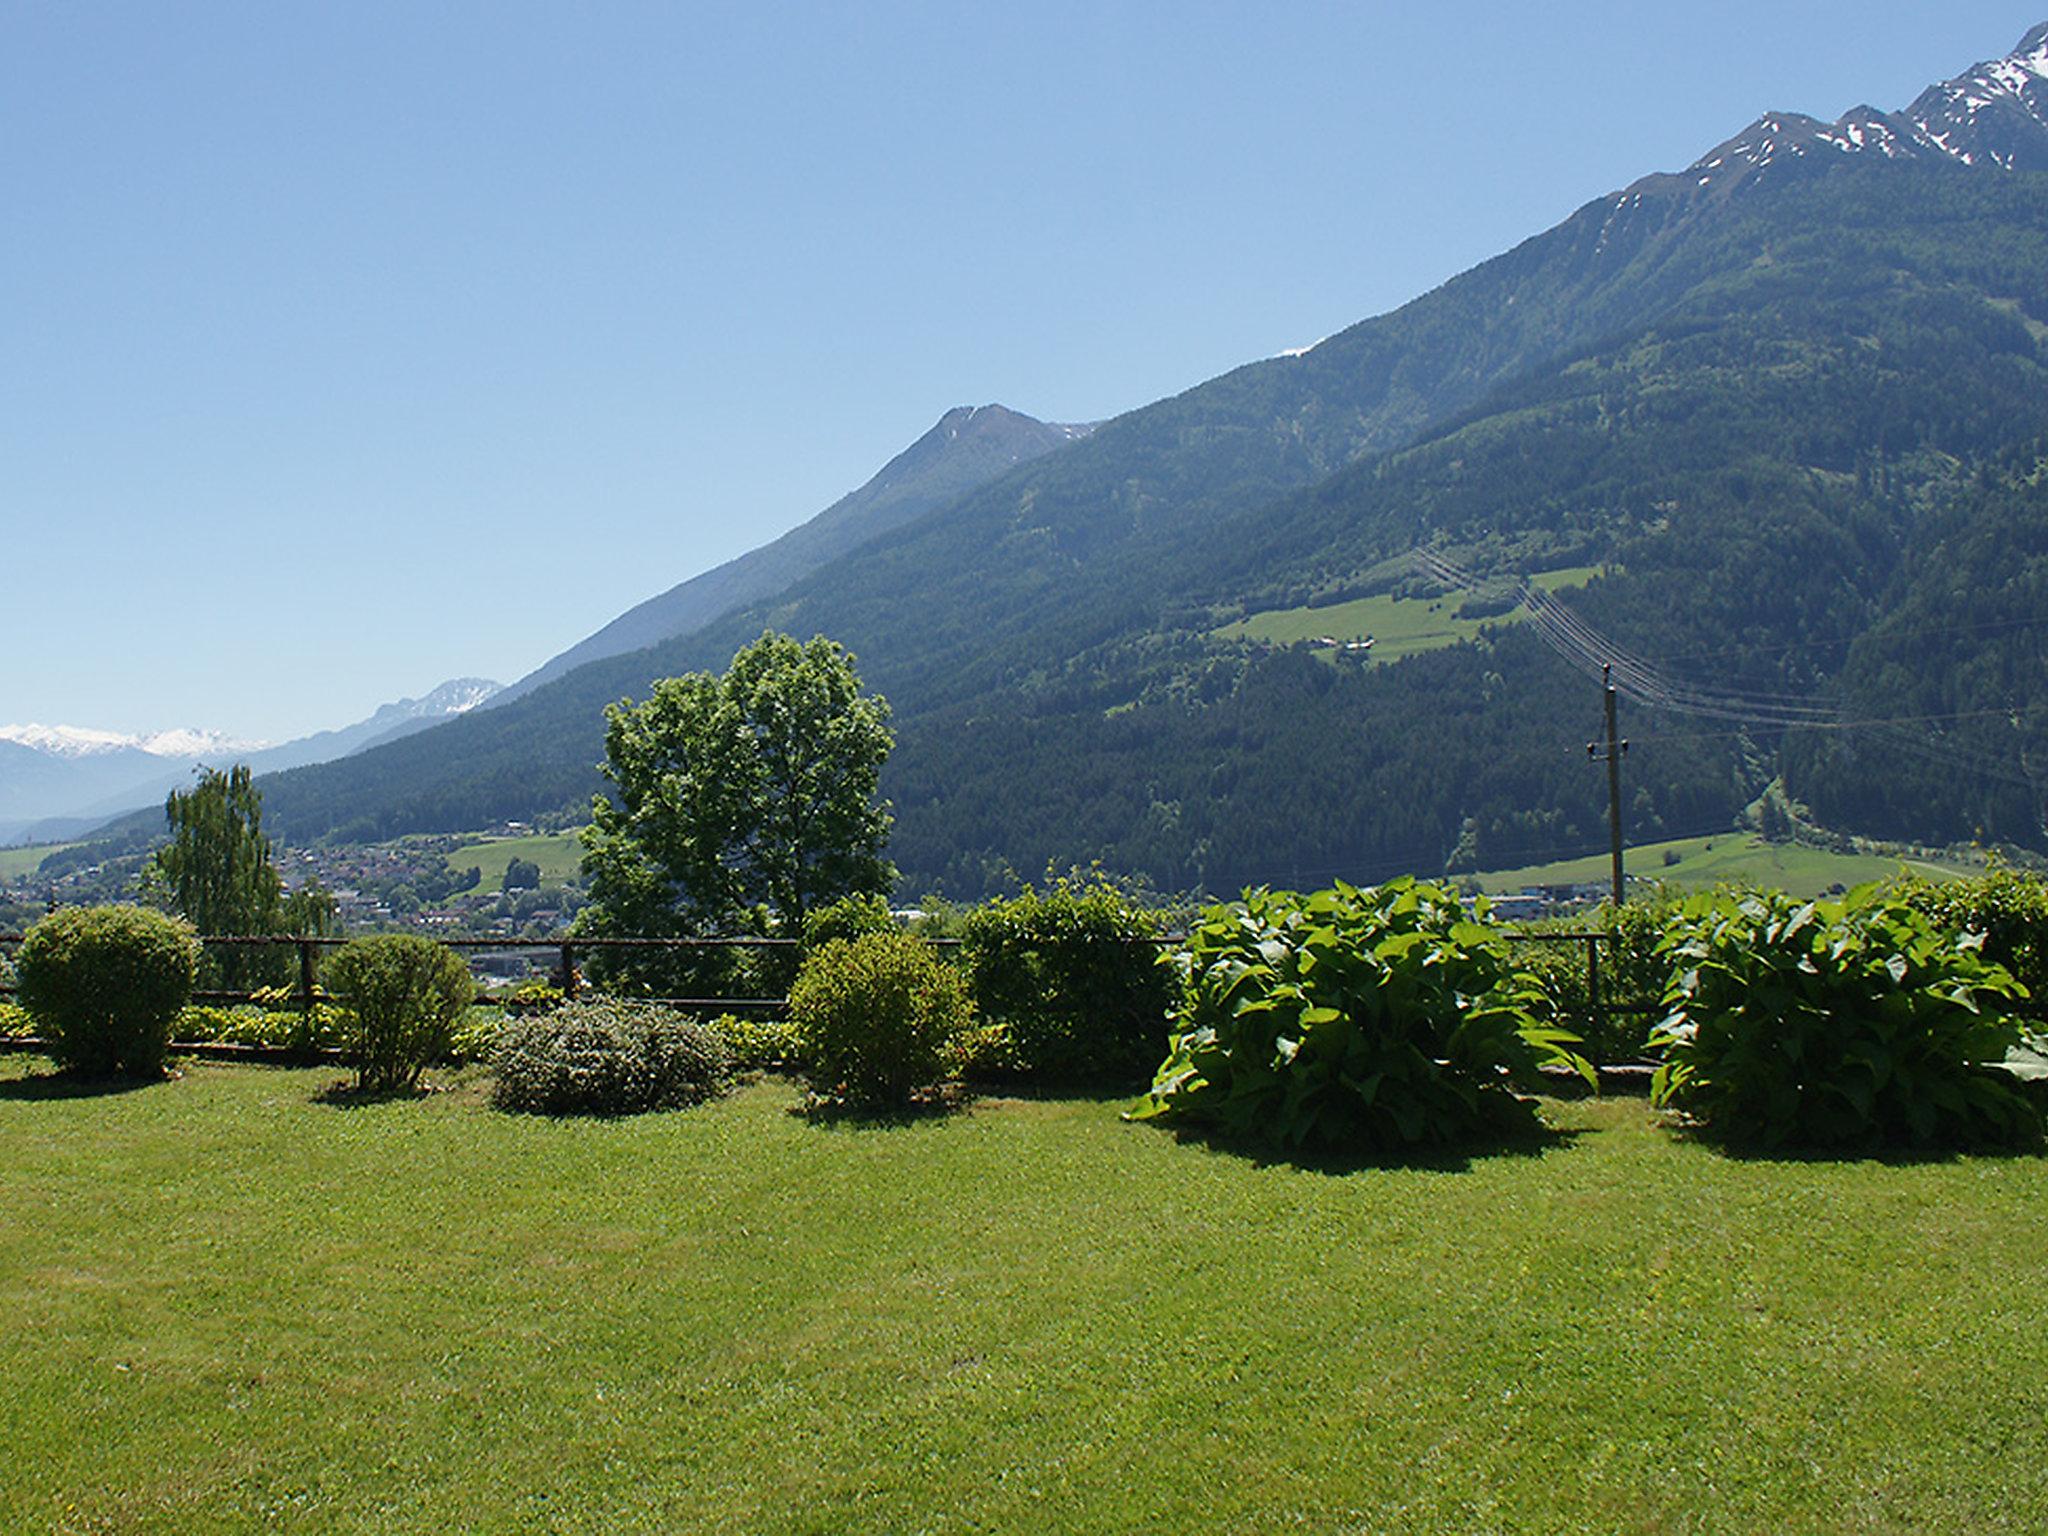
column 1732, row 857
column 1397, row 626
column 232, row 1307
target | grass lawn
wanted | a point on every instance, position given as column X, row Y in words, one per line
column 233, row 1307
column 1397, row 626
column 558, row 854
column 1727, row 856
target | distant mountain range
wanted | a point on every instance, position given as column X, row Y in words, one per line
column 59, row 781
column 1777, row 425
column 968, row 447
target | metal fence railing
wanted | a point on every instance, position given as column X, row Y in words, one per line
column 304, row 990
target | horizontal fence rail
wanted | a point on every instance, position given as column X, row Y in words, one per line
column 307, row 993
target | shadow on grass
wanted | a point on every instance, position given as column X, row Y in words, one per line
column 1889, row 1154
column 840, row 1114
column 344, row 1094
column 70, row 1085
column 1459, row 1157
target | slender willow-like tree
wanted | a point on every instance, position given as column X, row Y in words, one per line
column 217, row 871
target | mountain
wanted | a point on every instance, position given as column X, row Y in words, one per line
column 1995, row 115
column 1739, row 415
column 59, row 781
column 968, row 447
column 458, row 696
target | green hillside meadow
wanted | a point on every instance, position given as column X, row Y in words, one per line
column 1731, row 858
column 559, row 855
column 1397, row 626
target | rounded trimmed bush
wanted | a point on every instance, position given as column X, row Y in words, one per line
column 404, row 995
column 607, row 1057
column 874, row 1016
column 104, row 983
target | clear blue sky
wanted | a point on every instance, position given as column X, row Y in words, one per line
column 348, row 348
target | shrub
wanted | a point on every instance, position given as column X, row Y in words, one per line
column 1836, row 1023
column 847, row 918
column 874, row 1016
column 104, row 983
column 15, row 1022
column 1633, row 971
column 607, row 1057
column 1073, row 977
column 476, row 1033
column 403, row 994
column 287, row 1029
column 1352, row 1019
column 2009, row 907
column 758, row 1044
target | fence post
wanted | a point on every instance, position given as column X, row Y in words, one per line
column 1593, row 976
column 306, row 980
column 569, row 971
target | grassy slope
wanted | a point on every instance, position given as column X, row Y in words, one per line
column 16, row 862
column 1397, row 626
column 1733, row 857
column 234, row 1308
column 558, row 854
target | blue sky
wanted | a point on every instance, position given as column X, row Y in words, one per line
column 350, row 348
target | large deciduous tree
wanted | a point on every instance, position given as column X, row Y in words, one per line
column 739, row 804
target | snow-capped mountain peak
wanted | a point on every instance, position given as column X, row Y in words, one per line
column 1993, row 115
column 84, row 741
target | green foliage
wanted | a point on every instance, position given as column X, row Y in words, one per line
column 740, row 804
column 606, row 1057
column 1073, row 977
column 1836, row 1023
column 476, row 1033
column 849, row 917
column 403, row 994
column 520, row 875
column 216, row 870
column 874, row 1016
column 104, row 983
column 2009, row 907
column 16, row 1022
column 1352, row 1020
column 534, row 996
column 284, row 1029
column 1633, row 971
column 760, row 1044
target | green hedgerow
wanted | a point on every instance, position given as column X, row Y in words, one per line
column 1073, row 976
column 104, row 983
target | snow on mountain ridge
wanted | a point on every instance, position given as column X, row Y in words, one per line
column 1995, row 113
column 85, row 741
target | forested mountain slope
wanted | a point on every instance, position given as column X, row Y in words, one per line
column 966, row 448
column 1761, row 402
column 947, row 598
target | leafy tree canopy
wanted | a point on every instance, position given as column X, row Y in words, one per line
column 741, row 801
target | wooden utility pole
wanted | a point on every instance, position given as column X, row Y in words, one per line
column 1616, row 750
